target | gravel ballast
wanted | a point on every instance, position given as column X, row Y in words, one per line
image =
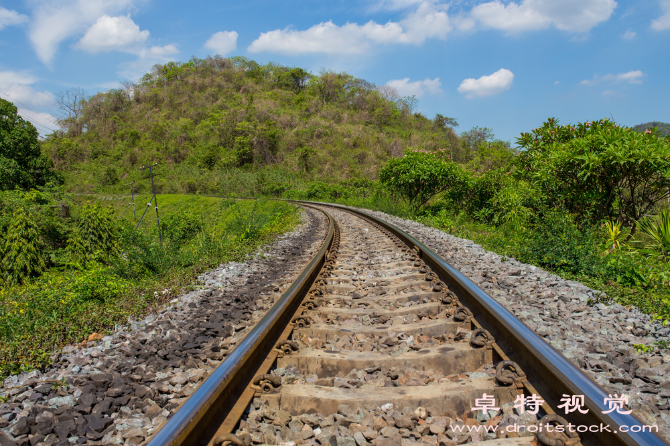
column 598, row 339
column 121, row 388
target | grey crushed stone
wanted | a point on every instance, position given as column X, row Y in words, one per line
column 598, row 339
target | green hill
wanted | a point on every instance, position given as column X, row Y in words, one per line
column 217, row 125
column 663, row 127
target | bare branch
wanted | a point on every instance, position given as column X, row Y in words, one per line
column 388, row 92
column 71, row 103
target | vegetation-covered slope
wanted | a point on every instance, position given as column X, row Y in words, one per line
column 203, row 118
column 663, row 127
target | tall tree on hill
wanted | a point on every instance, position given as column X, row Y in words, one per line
column 71, row 103
column 22, row 164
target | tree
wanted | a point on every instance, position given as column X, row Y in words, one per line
column 71, row 104
column 418, row 176
column 22, row 252
column 294, row 78
column 474, row 143
column 444, row 122
column 492, row 155
column 407, row 104
column 96, row 235
column 388, row 92
column 329, row 85
column 22, row 164
column 304, row 157
column 597, row 170
column 471, row 141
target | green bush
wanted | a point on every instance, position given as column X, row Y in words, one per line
column 596, row 170
column 98, row 282
column 514, row 203
column 558, row 244
column 657, row 233
column 109, row 177
column 66, row 304
column 181, row 227
column 95, row 236
column 622, row 268
column 418, row 176
column 22, row 250
column 322, row 191
column 474, row 192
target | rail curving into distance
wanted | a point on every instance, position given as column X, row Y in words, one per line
column 217, row 405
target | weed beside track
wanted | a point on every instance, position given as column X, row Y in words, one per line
column 67, row 304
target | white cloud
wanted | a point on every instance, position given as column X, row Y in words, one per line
column 418, row 88
column 56, row 20
column 663, row 22
column 9, row 17
column 159, row 51
column 427, row 21
column 8, row 78
column 629, row 34
column 326, row 37
column 495, row 83
column 147, row 58
column 24, row 95
column 557, row 82
column 108, row 85
column 510, row 17
column 463, row 22
column 566, row 15
column 632, row 77
column 15, row 88
column 113, row 34
column 222, row 42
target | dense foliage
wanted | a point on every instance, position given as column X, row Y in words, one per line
column 657, row 231
column 67, row 278
column 570, row 201
column 205, row 120
column 575, row 199
column 22, row 250
column 22, row 165
column 95, row 235
column 662, row 128
column 596, row 170
column 418, row 176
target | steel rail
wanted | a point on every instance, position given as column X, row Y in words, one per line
column 549, row 368
column 198, row 418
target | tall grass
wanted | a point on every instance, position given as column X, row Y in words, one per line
column 66, row 305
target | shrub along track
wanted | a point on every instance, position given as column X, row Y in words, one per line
column 372, row 344
column 121, row 389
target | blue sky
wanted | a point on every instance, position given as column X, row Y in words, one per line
column 498, row 64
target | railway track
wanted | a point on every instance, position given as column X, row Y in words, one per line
column 380, row 341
